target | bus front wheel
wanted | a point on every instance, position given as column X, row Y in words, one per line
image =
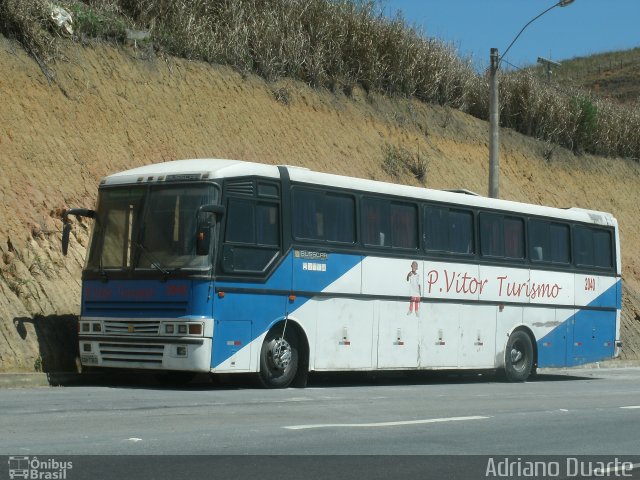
column 279, row 358
column 518, row 362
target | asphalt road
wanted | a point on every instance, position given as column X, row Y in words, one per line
column 568, row 413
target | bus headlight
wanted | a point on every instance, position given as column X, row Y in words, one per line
column 195, row 329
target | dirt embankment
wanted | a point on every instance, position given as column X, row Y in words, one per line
column 112, row 109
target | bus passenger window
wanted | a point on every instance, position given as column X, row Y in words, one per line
column 461, row 232
column 436, row 223
column 323, row 216
column 491, row 235
column 559, row 243
column 548, row 242
column 592, row 247
column 602, row 249
column 404, row 225
column 376, row 230
column 448, row 230
column 501, row 236
column 538, row 240
column 513, row 238
column 389, row 224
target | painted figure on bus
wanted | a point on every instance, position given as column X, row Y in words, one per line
column 415, row 289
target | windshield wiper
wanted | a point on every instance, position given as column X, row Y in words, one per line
column 153, row 261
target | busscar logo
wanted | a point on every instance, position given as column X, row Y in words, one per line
column 38, row 469
column 310, row 255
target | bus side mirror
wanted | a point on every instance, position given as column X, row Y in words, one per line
column 66, row 229
column 203, row 234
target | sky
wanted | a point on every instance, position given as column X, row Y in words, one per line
column 473, row 27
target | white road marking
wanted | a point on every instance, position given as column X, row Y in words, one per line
column 134, row 439
column 564, row 410
column 383, row 424
column 632, row 406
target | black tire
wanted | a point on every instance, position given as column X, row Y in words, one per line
column 518, row 357
column 279, row 358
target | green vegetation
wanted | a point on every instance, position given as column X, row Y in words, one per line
column 92, row 22
column 336, row 44
column 398, row 160
column 614, row 75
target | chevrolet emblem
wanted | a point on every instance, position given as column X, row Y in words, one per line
column 131, row 329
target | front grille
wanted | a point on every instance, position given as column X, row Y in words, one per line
column 150, row 354
column 137, row 327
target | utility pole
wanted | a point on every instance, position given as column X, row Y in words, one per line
column 494, row 108
column 494, row 127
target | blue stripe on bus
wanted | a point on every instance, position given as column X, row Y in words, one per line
column 146, row 299
column 587, row 336
column 243, row 317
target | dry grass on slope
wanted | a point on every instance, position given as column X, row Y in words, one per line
column 116, row 111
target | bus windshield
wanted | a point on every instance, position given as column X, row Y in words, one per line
column 149, row 227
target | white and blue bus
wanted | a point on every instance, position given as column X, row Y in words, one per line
column 226, row 266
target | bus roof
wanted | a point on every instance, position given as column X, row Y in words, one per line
column 200, row 169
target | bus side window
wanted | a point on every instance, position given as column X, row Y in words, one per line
column 252, row 237
column 448, row 230
column 461, row 232
column 404, row 219
column 376, row 229
column 501, row 236
column 491, row 235
column 513, row 237
column 323, row 216
column 592, row 247
column 559, row 243
column 389, row 224
column 548, row 241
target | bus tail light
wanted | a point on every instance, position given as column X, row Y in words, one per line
column 195, row 329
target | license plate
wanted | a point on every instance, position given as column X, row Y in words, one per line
column 89, row 359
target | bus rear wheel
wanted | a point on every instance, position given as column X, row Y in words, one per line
column 279, row 358
column 518, row 362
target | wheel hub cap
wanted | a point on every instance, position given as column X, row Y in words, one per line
column 516, row 355
column 281, row 353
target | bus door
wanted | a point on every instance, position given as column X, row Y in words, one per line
column 254, row 279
